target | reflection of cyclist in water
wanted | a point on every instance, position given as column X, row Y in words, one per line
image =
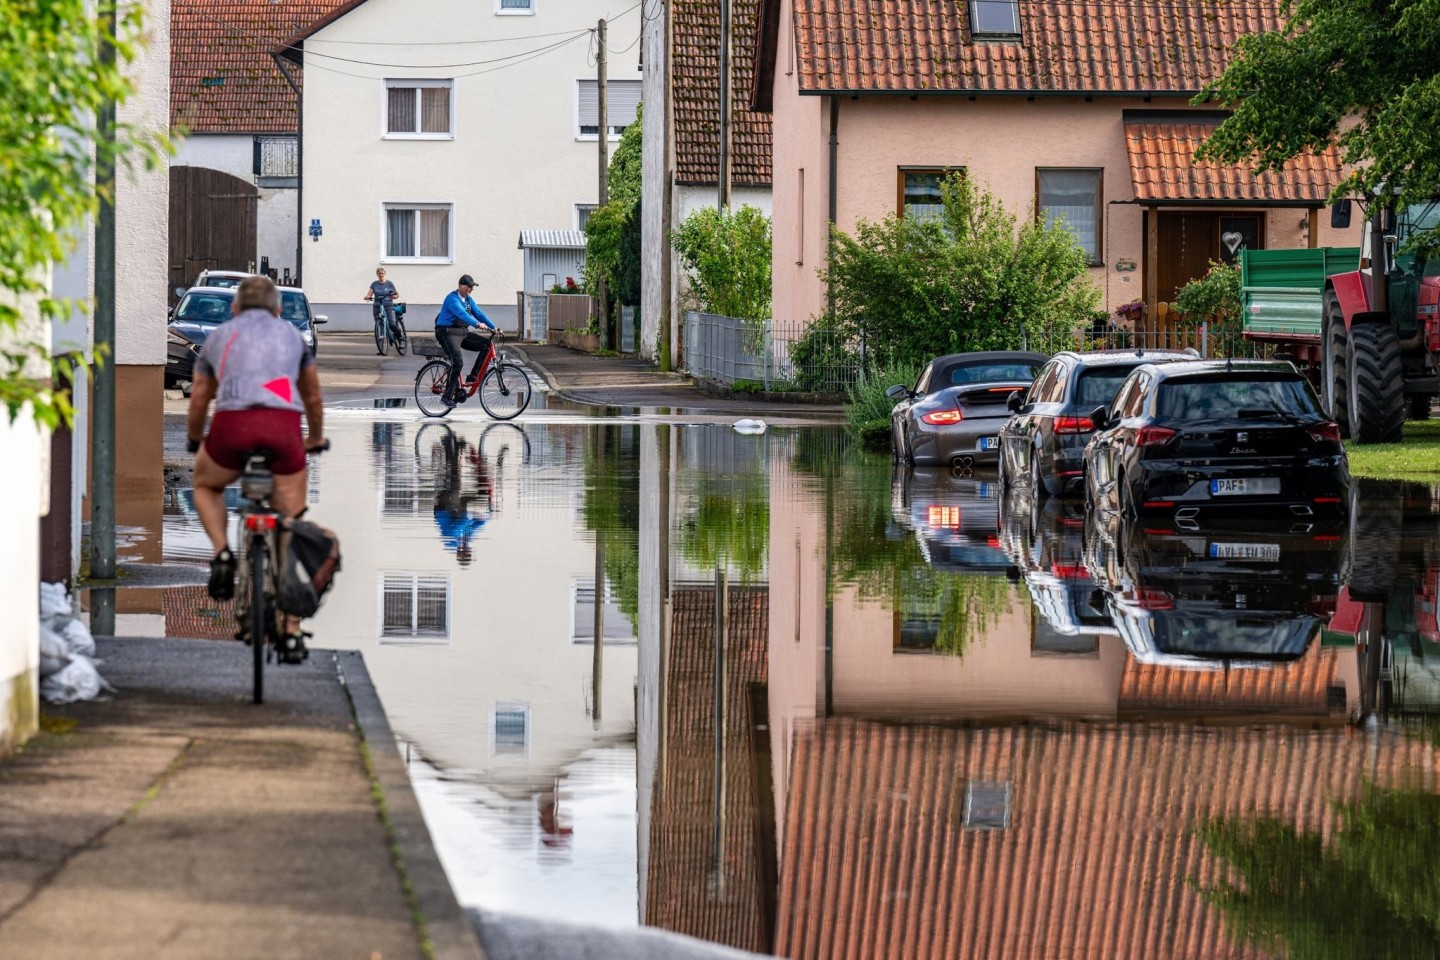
column 458, row 525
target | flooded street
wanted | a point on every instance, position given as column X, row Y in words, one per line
column 766, row 691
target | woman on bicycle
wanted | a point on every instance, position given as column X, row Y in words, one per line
column 458, row 315
column 384, row 294
column 259, row 371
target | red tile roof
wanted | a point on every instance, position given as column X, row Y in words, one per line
column 696, row 68
column 1163, row 168
column 1100, row 857
column 685, row 892
column 1077, row 46
column 1302, row 686
column 222, row 78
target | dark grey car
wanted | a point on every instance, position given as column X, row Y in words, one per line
column 953, row 414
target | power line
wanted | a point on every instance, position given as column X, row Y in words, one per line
column 531, row 55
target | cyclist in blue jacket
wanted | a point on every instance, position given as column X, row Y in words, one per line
column 458, row 314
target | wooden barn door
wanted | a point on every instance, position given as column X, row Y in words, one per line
column 212, row 223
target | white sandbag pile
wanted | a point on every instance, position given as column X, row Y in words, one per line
column 67, row 651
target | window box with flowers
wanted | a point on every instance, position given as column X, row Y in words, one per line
column 1130, row 314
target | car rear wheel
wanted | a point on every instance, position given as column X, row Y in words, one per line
column 1126, row 498
column 1037, row 482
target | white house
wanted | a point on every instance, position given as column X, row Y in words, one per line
column 682, row 159
column 434, row 133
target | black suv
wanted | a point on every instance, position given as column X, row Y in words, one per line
column 1044, row 441
column 1217, row 437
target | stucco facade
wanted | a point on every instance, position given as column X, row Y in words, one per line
column 513, row 158
column 999, row 140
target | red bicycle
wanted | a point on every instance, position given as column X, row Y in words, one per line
column 503, row 386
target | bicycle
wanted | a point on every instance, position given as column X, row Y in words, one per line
column 386, row 333
column 261, row 624
column 503, row 386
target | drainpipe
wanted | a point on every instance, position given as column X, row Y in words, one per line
column 834, row 184
column 299, row 165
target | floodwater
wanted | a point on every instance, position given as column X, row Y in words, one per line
column 924, row 718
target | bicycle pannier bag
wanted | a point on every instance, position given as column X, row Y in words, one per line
column 310, row 561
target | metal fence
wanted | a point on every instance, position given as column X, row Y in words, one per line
column 768, row 354
column 1216, row 341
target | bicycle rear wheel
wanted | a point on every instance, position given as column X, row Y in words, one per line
column 505, row 391
column 431, row 385
column 258, row 630
column 382, row 342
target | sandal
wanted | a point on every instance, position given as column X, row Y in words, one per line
column 291, row 648
column 222, row 575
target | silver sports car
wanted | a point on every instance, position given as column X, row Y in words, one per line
column 953, row 414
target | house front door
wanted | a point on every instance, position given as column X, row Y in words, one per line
column 1189, row 241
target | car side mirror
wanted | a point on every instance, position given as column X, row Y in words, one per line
column 1100, row 417
column 179, row 291
column 1015, row 401
column 320, row 318
column 898, row 392
column 1340, row 215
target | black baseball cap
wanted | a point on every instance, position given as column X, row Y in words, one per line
column 466, row 280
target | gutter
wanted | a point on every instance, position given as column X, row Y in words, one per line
column 831, row 206
column 973, row 93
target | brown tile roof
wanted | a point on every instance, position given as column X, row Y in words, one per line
column 695, row 69
column 1079, row 46
column 1163, row 168
column 1302, row 686
column 222, row 78
column 684, row 894
column 1100, row 857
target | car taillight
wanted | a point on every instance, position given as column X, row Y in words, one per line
column 942, row 418
column 943, row 517
column 1155, row 600
column 1325, row 431
column 1074, row 425
column 1067, row 571
column 1154, row 436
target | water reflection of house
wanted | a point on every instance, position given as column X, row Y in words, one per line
column 1034, row 842
column 487, row 668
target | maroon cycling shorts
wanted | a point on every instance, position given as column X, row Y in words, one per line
column 235, row 434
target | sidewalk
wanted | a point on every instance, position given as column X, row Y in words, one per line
column 630, row 382
column 179, row 820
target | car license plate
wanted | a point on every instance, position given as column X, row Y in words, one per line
column 1249, row 487
column 989, row 443
column 1245, row 551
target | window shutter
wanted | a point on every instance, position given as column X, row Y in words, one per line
column 590, row 104
column 623, row 97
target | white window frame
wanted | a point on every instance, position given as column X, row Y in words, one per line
column 606, row 599
column 580, row 207
column 415, row 639
column 387, row 205
column 510, row 706
column 390, row 83
column 594, row 137
column 502, row 11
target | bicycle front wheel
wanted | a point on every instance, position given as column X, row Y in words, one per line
column 505, row 391
column 431, row 386
column 382, row 343
column 402, row 339
column 258, row 631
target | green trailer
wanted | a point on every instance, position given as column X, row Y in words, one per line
column 1282, row 292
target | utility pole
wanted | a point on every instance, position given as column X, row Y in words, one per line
column 604, row 138
column 723, row 169
column 102, row 438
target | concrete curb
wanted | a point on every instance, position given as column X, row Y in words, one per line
column 448, row 926
column 547, row 376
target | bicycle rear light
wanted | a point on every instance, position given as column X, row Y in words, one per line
column 260, row 521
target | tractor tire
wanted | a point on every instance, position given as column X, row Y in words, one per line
column 1377, row 516
column 1377, row 385
column 1417, row 406
column 1335, row 366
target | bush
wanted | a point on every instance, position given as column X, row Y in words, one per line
column 1214, row 297
column 822, row 360
column 868, row 411
column 727, row 256
column 973, row 278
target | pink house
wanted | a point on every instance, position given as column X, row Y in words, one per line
column 1078, row 110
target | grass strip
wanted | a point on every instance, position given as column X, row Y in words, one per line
column 377, row 793
column 1415, row 458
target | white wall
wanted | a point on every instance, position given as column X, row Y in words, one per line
column 229, row 153
column 514, row 163
column 22, row 486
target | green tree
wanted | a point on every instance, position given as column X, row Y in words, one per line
column 1372, row 893
column 1358, row 73
column 727, row 256
column 53, row 83
column 973, row 278
column 612, row 234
